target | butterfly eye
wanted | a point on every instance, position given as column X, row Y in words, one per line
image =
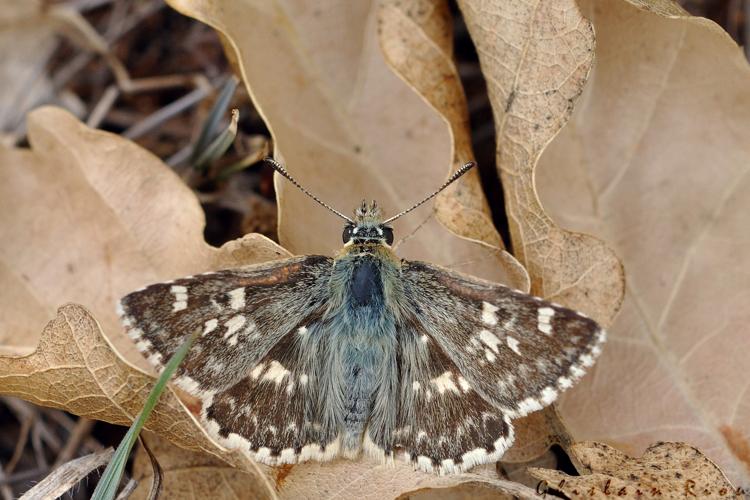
column 388, row 234
column 347, row 235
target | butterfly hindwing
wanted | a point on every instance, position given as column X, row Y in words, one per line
column 517, row 351
column 442, row 424
column 274, row 411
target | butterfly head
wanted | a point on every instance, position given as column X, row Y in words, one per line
column 367, row 226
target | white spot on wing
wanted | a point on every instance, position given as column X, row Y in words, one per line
column 180, row 297
column 587, row 360
column 143, row 345
column 155, row 359
column 257, row 370
column 303, row 379
column 528, row 405
column 135, row 334
column 233, row 325
column 302, row 331
column 416, row 385
column 489, row 315
column 237, row 297
column 490, row 340
column 544, row 317
column 445, row 383
column 548, row 395
column 576, row 371
column 464, row 384
column 546, row 312
column 276, row 372
column 287, row 456
column 210, row 326
column 513, row 344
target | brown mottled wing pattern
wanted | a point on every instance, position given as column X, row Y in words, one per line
column 474, row 356
column 518, row 351
column 247, row 354
column 442, row 423
column 274, row 412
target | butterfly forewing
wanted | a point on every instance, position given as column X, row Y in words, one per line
column 241, row 313
column 517, row 351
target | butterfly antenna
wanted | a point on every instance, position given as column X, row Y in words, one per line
column 280, row 169
column 458, row 173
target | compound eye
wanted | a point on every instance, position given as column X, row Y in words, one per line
column 388, row 234
column 347, row 235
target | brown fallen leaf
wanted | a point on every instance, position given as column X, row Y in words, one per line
column 87, row 217
column 190, row 474
column 535, row 59
column 655, row 161
column 75, row 369
column 666, row 470
column 27, row 40
column 417, row 41
column 347, row 127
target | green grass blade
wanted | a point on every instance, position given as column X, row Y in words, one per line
column 219, row 145
column 110, row 481
column 208, row 132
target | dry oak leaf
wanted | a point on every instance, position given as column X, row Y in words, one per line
column 417, row 41
column 655, row 160
column 666, row 470
column 75, row 369
column 192, row 475
column 27, row 40
column 536, row 57
column 86, row 217
column 347, row 127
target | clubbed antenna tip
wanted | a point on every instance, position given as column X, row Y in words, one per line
column 458, row 173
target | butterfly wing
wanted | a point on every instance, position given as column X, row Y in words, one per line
column 247, row 366
column 442, row 424
column 475, row 355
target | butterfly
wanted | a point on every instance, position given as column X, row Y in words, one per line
column 316, row 357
